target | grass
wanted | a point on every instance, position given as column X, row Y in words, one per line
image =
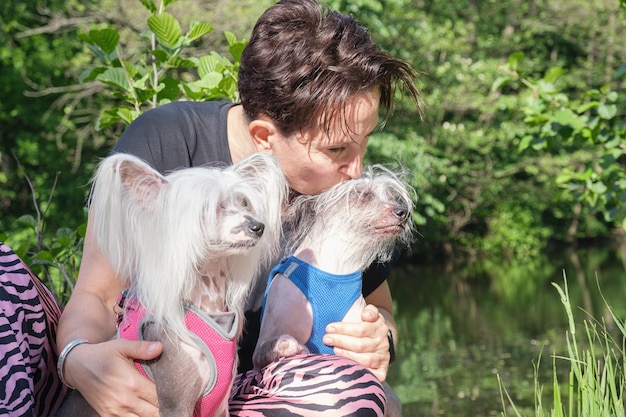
column 596, row 379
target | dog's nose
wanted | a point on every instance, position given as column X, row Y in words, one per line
column 401, row 213
column 256, row 228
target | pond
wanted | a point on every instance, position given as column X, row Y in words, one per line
column 467, row 331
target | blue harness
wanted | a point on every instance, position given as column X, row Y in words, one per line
column 330, row 295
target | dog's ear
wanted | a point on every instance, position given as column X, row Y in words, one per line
column 141, row 182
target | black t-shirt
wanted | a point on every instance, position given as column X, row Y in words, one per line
column 185, row 134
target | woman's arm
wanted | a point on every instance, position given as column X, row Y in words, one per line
column 103, row 370
column 367, row 342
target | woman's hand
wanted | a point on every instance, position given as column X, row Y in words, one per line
column 365, row 343
column 106, row 376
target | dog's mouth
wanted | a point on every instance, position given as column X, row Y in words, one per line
column 239, row 244
column 390, row 229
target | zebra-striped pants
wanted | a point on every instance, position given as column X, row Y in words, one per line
column 28, row 318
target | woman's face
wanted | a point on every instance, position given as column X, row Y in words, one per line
column 315, row 161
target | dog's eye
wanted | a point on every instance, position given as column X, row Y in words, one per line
column 367, row 195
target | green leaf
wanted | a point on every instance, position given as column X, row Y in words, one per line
column 178, row 62
column 107, row 118
column 167, row 2
column 192, row 91
column 160, row 55
column 499, row 83
column 229, row 87
column 90, row 74
column 144, row 95
column 81, row 230
column 525, row 142
column 149, row 4
column 235, row 47
column 210, row 80
column 621, row 72
column 564, row 117
column 515, row 59
column 170, row 90
column 126, row 114
column 607, row 111
column 607, row 161
column 586, row 106
column 612, row 96
column 44, row 256
column 597, row 187
column 28, row 220
column 115, row 77
column 198, row 30
column 208, row 64
column 553, row 74
column 106, row 39
column 166, row 28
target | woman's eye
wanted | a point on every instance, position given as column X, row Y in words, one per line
column 336, row 150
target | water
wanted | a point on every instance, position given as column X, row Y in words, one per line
column 462, row 329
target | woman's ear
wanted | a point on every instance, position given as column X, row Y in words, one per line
column 263, row 132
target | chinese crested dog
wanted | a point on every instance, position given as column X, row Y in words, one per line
column 332, row 238
column 188, row 246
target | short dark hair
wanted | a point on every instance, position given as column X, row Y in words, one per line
column 304, row 61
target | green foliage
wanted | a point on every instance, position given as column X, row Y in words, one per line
column 162, row 72
column 587, row 128
column 54, row 257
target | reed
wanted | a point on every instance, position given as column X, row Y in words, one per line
column 596, row 378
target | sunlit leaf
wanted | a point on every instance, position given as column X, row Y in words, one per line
column 166, row 28
column 107, row 39
column 607, row 111
column 115, row 77
column 499, row 83
column 198, row 30
column 209, row 64
column 235, row 47
column 107, row 118
column 515, row 59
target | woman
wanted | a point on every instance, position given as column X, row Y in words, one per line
column 311, row 82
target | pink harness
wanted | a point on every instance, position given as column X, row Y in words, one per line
column 218, row 347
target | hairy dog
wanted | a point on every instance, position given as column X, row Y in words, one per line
column 188, row 246
column 332, row 237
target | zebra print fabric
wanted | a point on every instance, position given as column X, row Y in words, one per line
column 28, row 318
column 308, row 385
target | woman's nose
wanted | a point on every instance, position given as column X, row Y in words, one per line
column 354, row 168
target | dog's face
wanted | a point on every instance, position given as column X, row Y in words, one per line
column 146, row 222
column 392, row 211
column 355, row 222
column 238, row 225
column 374, row 206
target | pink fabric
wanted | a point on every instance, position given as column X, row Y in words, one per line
column 222, row 349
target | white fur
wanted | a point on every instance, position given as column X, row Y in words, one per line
column 179, row 237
